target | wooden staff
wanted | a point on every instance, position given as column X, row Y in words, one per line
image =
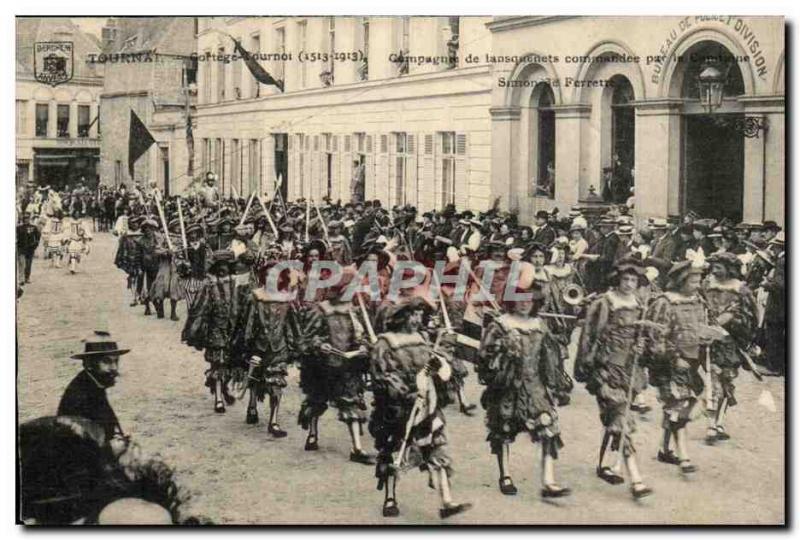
column 163, row 222
column 269, row 218
column 247, row 208
column 183, row 229
column 322, row 221
column 367, row 324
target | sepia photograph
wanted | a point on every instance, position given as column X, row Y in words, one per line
column 400, row 270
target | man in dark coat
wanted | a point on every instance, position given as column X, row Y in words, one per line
column 28, row 237
column 86, row 396
column 543, row 232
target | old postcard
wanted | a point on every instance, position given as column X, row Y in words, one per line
column 401, row 270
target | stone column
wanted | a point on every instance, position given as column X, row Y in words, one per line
column 73, row 119
column 268, row 165
column 764, row 160
column 505, row 136
column 52, row 119
column 657, row 157
column 572, row 178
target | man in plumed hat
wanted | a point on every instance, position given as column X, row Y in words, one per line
column 86, row 396
column 732, row 306
column 407, row 378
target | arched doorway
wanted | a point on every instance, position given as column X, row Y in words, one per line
column 619, row 174
column 712, row 183
column 542, row 141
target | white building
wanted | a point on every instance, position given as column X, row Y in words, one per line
column 421, row 129
column 532, row 111
column 57, row 131
column 684, row 157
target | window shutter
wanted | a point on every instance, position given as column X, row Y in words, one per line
column 345, row 173
column 316, row 143
column 438, row 180
column 391, row 199
column 462, row 173
column 369, row 175
column 381, row 171
column 426, row 192
column 347, row 143
column 410, row 189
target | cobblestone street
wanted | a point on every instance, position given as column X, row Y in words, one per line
column 239, row 474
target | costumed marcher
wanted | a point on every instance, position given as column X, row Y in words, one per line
column 675, row 356
column 607, row 361
column 167, row 281
column 265, row 338
column 333, row 361
column 733, row 307
column 522, row 370
column 210, row 327
column 147, row 260
column 406, row 379
column 77, row 244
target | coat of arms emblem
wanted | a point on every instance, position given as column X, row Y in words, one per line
column 53, row 62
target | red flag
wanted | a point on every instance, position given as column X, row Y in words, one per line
column 139, row 140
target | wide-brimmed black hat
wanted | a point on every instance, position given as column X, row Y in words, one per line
column 679, row 272
column 729, row 260
column 628, row 265
column 99, row 343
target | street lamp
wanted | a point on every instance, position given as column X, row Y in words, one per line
column 711, row 84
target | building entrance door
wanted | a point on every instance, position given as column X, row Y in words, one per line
column 282, row 162
column 713, row 167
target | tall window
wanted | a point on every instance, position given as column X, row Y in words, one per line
column 545, row 141
column 117, row 173
column 236, row 167
column 207, row 79
column 255, row 48
column 301, row 46
column 254, row 165
column 302, row 144
column 83, row 120
column 236, row 76
column 451, row 41
column 42, row 118
column 448, row 168
column 401, row 155
column 62, row 121
column 405, row 43
column 220, row 75
column 22, row 117
column 280, row 47
column 623, row 136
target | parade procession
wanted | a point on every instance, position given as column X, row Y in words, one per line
column 236, row 348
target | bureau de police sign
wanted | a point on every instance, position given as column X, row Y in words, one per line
column 53, row 62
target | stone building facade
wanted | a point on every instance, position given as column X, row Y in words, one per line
column 411, row 122
column 649, row 124
column 57, row 130
column 149, row 70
